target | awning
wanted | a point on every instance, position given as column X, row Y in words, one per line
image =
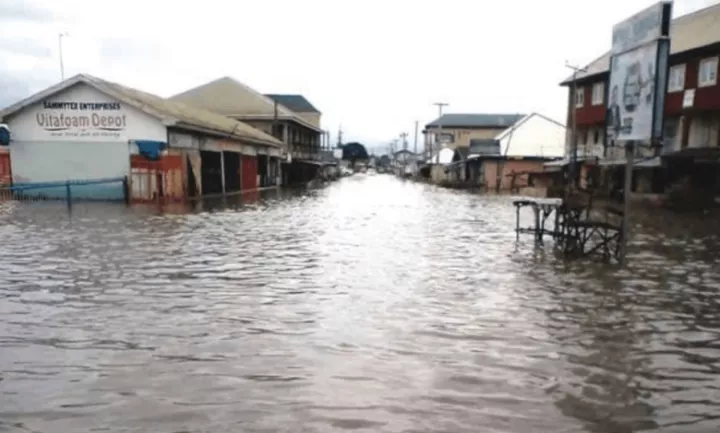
column 557, row 163
column 651, row 162
column 150, row 149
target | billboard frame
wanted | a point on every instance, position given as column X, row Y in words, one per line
column 647, row 27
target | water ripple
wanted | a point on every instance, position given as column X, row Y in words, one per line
column 371, row 305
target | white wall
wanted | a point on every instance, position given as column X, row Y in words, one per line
column 92, row 142
column 536, row 137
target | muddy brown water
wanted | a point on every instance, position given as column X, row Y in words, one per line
column 374, row 304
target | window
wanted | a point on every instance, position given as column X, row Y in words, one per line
column 676, row 79
column 579, row 97
column 598, row 93
column 707, row 72
column 445, row 137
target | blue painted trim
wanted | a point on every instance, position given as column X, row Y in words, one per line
column 35, row 185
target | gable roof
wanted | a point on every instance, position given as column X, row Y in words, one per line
column 297, row 103
column 524, row 120
column 475, row 120
column 169, row 112
column 534, row 135
column 687, row 32
column 230, row 97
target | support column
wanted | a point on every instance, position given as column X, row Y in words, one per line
column 222, row 170
column 278, row 172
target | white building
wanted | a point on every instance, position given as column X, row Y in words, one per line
column 86, row 128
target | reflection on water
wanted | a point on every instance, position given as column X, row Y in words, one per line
column 373, row 305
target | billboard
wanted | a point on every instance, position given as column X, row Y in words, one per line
column 643, row 27
column 638, row 76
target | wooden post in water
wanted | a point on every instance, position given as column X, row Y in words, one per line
column 625, row 229
column 69, row 194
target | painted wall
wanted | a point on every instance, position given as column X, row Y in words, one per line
column 78, row 134
column 536, row 136
column 311, row 118
column 507, row 166
column 462, row 136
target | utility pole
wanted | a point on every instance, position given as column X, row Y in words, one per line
column 573, row 172
column 440, row 106
column 416, row 137
column 60, row 46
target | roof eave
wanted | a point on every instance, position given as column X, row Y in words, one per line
column 468, row 126
column 37, row 97
column 244, row 138
column 584, row 78
column 295, row 119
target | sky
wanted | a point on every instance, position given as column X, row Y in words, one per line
column 373, row 67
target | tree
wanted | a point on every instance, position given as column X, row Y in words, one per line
column 353, row 152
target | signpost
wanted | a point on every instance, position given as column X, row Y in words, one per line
column 637, row 87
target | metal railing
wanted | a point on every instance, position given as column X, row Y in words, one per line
column 106, row 189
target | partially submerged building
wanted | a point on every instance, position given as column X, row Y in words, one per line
column 300, row 133
column 691, row 146
column 455, row 130
column 502, row 161
column 86, row 128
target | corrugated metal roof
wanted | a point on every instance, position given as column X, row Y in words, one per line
column 297, row 103
column 170, row 112
column 232, row 98
column 475, row 120
column 687, row 32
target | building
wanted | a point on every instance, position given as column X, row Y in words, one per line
column 692, row 113
column 405, row 163
column 299, row 105
column 86, row 128
column 504, row 160
column 300, row 133
column 456, row 130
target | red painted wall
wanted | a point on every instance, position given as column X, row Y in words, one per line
column 248, row 172
column 706, row 98
column 5, row 172
column 590, row 114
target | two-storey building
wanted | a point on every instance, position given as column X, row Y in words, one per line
column 692, row 111
column 455, row 130
column 300, row 132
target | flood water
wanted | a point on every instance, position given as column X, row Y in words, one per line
column 372, row 305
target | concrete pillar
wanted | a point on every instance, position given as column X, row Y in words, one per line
column 222, row 170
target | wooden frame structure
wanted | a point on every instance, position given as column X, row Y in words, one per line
column 578, row 230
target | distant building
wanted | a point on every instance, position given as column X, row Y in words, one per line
column 458, row 129
column 498, row 157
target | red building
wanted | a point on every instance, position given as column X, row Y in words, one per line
column 692, row 107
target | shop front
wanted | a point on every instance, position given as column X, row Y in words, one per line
column 77, row 135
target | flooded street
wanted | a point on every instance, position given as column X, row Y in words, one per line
column 370, row 305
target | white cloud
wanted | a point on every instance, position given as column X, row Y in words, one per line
column 374, row 66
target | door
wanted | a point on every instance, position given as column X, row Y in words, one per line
column 5, row 173
column 248, row 172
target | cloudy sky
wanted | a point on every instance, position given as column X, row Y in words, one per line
column 372, row 66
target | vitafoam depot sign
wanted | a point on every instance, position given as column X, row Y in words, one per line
column 638, row 75
column 81, row 119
